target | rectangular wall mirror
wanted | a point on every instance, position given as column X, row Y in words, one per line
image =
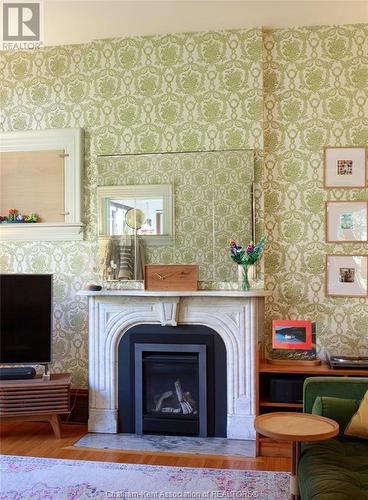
column 168, row 208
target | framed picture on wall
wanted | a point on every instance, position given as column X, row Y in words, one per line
column 346, row 221
column 291, row 334
column 346, row 275
column 345, row 167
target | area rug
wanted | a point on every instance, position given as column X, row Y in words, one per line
column 55, row 479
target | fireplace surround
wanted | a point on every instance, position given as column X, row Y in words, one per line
column 235, row 315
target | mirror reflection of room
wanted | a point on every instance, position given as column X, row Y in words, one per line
column 124, row 215
column 124, row 256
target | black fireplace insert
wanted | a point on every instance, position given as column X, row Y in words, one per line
column 170, row 389
column 172, row 380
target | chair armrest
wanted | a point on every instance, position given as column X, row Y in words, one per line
column 337, row 387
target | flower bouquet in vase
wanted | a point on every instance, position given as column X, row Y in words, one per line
column 246, row 258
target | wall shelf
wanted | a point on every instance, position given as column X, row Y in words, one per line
column 41, row 231
column 41, row 172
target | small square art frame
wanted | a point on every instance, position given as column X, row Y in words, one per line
column 346, row 275
column 346, row 221
column 345, row 167
column 291, row 334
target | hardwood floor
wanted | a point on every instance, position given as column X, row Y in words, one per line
column 37, row 439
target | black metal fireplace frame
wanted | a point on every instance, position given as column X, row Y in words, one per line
column 201, row 350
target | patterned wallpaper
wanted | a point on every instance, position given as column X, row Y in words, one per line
column 182, row 92
column 204, row 91
column 316, row 94
column 202, row 230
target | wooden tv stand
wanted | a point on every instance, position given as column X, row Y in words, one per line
column 36, row 399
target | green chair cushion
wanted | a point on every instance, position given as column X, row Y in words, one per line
column 336, row 469
column 338, row 409
column 337, row 387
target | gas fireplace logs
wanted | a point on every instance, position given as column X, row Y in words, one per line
column 180, row 402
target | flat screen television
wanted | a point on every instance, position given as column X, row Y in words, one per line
column 25, row 318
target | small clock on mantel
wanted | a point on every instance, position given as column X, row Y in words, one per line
column 171, row 277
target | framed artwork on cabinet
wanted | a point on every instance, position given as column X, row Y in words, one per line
column 346, row 275
column 346, row 221
column 291, row 334
column 345, row 167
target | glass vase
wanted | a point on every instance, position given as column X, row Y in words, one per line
column 243, row 276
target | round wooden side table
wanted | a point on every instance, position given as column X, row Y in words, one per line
column 297, row 428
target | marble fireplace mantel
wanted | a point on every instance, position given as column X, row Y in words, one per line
column 235, row 315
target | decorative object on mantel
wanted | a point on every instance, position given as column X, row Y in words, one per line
column 14, row 217
column 246, row 258
column 294, row 342
column 92, row 287
column 171, row 277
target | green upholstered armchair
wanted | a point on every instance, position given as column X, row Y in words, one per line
column 336, row 469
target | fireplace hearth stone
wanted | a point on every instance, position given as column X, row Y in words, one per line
column 169, row 444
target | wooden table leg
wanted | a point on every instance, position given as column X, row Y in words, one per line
column 294, row 488
column 55, row 424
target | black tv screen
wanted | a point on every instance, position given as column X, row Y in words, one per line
column 25, row 318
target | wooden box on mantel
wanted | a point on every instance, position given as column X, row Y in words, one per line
column 171, row 277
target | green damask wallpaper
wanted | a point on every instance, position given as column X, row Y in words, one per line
column 300, row 88
column 316, row 94
column 182, row 92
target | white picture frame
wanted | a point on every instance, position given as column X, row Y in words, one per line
column 346, row 221
column 346, row 275
column 345, row 167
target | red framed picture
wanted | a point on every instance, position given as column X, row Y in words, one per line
column 289, row 334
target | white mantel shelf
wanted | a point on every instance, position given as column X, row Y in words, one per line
column 196, row 293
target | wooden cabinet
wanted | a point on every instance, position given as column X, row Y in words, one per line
column 268, row 372
column 36, row 399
